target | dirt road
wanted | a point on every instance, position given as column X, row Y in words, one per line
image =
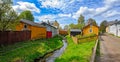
column 109, row 48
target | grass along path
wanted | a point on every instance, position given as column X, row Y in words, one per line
column 29, row 50
column 76, row 53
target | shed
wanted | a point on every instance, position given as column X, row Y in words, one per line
column 75, row 32
column 90, row 28
column 37, row 30
column 50, row 29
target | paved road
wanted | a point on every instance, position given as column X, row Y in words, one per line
column 109, row 48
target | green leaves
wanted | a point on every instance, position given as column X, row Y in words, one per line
column 8, row 17
column 26, row 15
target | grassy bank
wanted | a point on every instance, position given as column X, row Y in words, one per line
column 30, row 50
column 77, row 52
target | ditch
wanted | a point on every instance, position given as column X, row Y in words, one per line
column 50, row 57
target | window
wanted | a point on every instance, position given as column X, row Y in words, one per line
column 90, row 30
column 25, row 26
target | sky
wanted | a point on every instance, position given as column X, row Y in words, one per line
column 68, row 11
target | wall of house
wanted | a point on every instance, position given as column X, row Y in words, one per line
column 36, row 32
column 112, row 29
column 56, row 24
column 54, row 31
column 107, row 29
column 119, row 30
column 86, row 30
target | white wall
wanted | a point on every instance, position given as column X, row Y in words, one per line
column 118, row 29
column 113, row 29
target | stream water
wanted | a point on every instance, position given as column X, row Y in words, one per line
column 57, row 53
column 52, row 56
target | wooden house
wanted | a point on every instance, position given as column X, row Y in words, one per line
column 74, row 32
column 51, row 30
column 37, row 30
column 113, row 28
column 88, row 29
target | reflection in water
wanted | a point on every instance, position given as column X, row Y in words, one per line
column 57, row 53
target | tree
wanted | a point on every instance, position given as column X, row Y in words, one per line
column 81, row 22
column 90, row 20
column 103, row 26
column 26, row 15
column 66, row 27
column 8, row 17
column 81, row 19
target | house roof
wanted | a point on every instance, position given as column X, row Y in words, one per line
column 89, row 25
column 75, row 30
column 31, row 23
column 113, row 22
column 48, row 24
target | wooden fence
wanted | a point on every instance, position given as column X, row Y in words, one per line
column 63, row 32
column 11, row 37
column 84, row 39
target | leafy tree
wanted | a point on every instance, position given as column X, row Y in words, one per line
column 103, row 26
column 90, row 20
column 8, row 17
column 66, row 27
column 26, row 15
column 81, row 19
column 81, row 22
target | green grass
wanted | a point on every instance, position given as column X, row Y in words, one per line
column 76, row 52
column 30, row 50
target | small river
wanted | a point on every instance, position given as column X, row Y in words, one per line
column 52, row 56
column 57, row 53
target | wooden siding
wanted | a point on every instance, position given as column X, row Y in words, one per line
column 36, row 32
column 94, row 29
column 63, row 32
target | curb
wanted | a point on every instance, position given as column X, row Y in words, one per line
column 92, row 59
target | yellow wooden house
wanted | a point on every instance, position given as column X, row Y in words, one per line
column 37, row 30
column 88, row 29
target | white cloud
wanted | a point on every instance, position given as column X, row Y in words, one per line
column 60, row 4
column 111, row 13
column 46, row 17
column 108, row 5
column 52, row 3
column 21, row 6
column 64, row 15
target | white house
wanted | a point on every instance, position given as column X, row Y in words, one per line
column 50, row 28
column 114, row 27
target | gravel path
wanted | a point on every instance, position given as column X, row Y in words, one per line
column 109, row 48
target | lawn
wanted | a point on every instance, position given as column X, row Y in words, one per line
column 30, row 50
column 77, row 52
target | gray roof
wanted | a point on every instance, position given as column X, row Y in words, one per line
column 113, row 22
column 31, row 23
column 75, row 30
column 42, row 23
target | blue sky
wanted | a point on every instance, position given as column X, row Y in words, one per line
column 68, row 11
